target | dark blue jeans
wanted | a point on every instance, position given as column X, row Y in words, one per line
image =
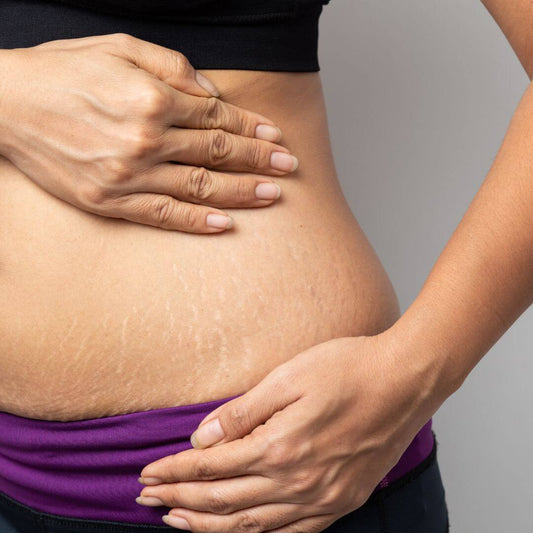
column 415, row 503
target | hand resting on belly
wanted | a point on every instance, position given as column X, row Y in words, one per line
column 105, row 136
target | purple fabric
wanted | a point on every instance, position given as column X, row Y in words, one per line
column 417, row 451
column 89, row 468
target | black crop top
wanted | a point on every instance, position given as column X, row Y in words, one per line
column 279, row 35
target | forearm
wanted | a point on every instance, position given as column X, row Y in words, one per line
column 483, row 280
column 514, row 19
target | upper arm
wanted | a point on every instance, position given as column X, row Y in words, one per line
column 515, row 18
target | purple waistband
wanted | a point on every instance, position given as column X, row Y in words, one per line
column 89, row 468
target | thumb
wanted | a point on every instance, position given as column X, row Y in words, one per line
column 242, row 415
column 169, row 66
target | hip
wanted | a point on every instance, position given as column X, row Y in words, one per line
column 415, row 503
column 82, row 475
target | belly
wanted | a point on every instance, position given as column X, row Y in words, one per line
column 103, row 316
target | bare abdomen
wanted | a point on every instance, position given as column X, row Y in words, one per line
column 102, row 316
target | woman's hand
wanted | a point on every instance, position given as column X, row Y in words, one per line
column 100, row 122
column 305, row 446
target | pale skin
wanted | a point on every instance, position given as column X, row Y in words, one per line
column 310, row 442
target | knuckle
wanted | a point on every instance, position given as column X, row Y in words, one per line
column 212, row 112
column 172, row 496
column 121, row 37
column 284, row 452
column 216, row 502
column 241, row 191
column 164, row 210
column 201, row 183
column 151, row 100
column 141, row 141
column 180, row 63
column 285, row 379
column 202, row 525
column 246, row 124
column 247, row 522
column 172, row 62
column 120, row 40
column 203, row 469
column 258, row 155
column 117, row 170
column 219, row 146
column 93, row 195
column 331, row 497
column 282, row 381
column 188, row 216
column 239, row 419
column 304, row 482
column 276, row 455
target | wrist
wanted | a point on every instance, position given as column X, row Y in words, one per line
column 424, row 356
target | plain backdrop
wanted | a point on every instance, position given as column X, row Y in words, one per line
column 419, row 96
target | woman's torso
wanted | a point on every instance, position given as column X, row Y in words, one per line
column 103, row 316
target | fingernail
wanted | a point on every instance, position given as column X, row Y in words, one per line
column 149, row 501
column 219, row 221
column 283, row 161
column 206, row 84
column 149, row 480
column 176, row 521
column 268, row 133
column 268, row 191
column 207, row 434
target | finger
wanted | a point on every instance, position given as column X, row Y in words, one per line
column 168, row 65
column 226, row 151
column 312, row 524
column 200, row 185
column 254, row 519
column 237, row 458
column 220, row 497
column 166, row 212
column 211, row 113
column 242, row 415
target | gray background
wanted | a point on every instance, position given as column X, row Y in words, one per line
column 419, row 95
